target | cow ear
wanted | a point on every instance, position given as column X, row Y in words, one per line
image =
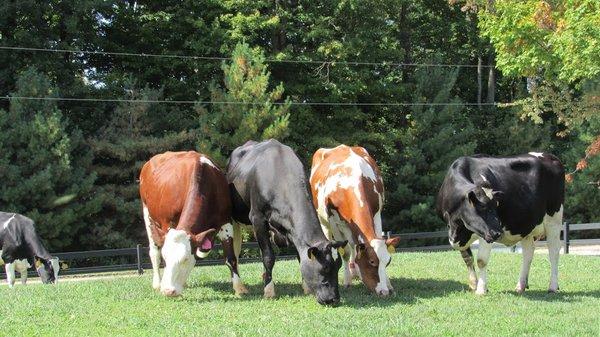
column 472, row 198
column 360, row 248
column 392, row 243
column 338, row 244
column 312, row 253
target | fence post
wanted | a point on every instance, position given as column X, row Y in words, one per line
column 139, row 260
column 388, row 234
column 566, row 237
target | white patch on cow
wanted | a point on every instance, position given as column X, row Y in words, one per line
column 10, row 274
column 179, row 261
column 269, row 290
column 334, row 253
column 537, row 154
column 488, row 192
column 226, row 232
column 552, row 226
column 1, row 261
column 21, row 265
column 483, row 177
column 202, row 254
column 457, row 245
column 483, row 258
column 358, row 168
column 154, row 250
column 207, row 161
column 5, row 225
column 384, row 258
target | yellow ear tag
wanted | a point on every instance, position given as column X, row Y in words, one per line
column 311, row 256
column 391, row 249
column 341, row 251
column 37, row 264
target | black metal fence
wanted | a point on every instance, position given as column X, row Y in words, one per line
column 140, row 253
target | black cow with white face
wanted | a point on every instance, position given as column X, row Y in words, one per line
column 270, row 191
column 506, row 200
column 21, row 247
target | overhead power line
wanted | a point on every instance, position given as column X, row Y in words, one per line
column 119, row 100
column 222, row 58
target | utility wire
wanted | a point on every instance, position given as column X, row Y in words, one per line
column 119, row 100
column 222, row 58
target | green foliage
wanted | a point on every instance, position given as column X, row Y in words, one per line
column 120, row 149
column 44, row 164
column 559, row 37
column 223, row 127
column 434, row 138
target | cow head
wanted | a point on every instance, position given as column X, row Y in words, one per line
column 319, row 266
column 48, row 270
column 179, row 261
column 477, row 213
column 372, row 260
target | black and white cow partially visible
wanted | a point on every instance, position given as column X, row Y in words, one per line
column 506, row 200
column 20, row 247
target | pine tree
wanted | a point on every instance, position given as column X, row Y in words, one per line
column 120, row 149
column 434, row 138
column 223, row 127
column 44, row 165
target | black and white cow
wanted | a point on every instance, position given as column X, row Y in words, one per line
column 21, row 247
column 506, row 200
column 269, row 190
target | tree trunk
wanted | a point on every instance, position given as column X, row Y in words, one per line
column 405, row 40
column 491, row 85
column 479, row 80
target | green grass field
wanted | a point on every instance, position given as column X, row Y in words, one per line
column 431, row 299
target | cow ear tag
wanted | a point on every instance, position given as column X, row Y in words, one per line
column 311, row 256
column 391, row 249
column 37, row 264
column 341, row 250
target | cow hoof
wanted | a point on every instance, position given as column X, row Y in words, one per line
column 240, row 289
column 170, row 292
column 480, row 292
column 519, row 290
column 383, row 293
column 269, row 290
column 552, row 291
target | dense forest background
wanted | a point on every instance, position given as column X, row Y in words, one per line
column 417, row 83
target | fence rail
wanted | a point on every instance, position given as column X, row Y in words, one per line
column 140, row 252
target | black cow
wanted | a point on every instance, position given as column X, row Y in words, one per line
column 506, row 200
column 20, row 247
column 269, row 190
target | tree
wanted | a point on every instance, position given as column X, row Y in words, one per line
column 252, row 113
column 120, row 149
column 44, row 164
column 434, row 138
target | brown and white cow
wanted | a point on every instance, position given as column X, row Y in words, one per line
column 185, row 199
column 348, row 194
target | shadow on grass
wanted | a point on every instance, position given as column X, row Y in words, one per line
column 406, row 291
column 561, row 296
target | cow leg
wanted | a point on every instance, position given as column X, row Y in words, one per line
column 483, row 257
column 10, row 274
column 261, row 232
column 528, row 248
column 24, row 277
column 467, row 256
column 552, row 225
column 154, row 251
column 349, row 250
column 226, row 235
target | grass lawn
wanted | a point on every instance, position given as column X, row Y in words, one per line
column 431, row 299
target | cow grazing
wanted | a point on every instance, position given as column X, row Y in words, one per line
column 506, row 200
column 348, row 194
column 185, row 199
column 21, row 247
column 270, row 192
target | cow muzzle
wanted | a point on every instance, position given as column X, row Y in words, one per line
column 170, row 292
